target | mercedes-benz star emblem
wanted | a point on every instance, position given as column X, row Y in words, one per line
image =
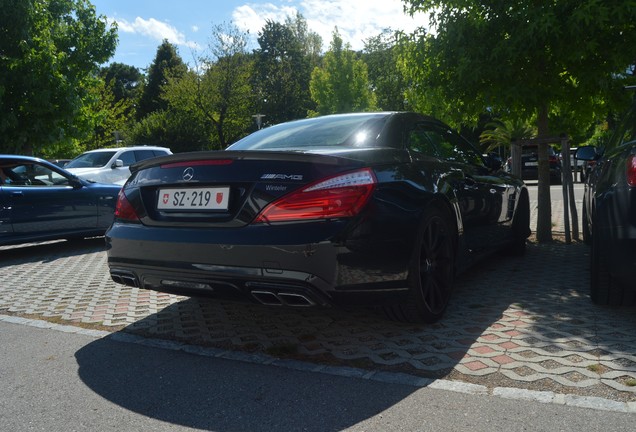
column 188, row 174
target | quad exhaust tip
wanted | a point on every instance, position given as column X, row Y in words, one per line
column 271, row 298
column 127, row 279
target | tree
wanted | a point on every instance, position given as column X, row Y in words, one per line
column 167, row 62
column 218, row 92
column 171, row 128
column 126, row 81
column 310, row 41
column 381, row 57
column 281, row 76
column 342, row 83
column 49, row 52
column 525, row 58
column 104, row 116
column 499, row 134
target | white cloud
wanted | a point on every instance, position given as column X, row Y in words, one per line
column 156, row 30
column 357, row 20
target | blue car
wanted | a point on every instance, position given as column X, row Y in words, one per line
column 40, row 201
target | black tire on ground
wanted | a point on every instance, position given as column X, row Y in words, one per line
column 431, row 271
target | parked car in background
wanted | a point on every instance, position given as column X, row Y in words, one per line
column 111, row 165
column 609, row 215
column 382, row 208
column 530, row 163
column 40, row 201
column 579, row 167
column 60, row 162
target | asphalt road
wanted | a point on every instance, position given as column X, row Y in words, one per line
column 58, row 381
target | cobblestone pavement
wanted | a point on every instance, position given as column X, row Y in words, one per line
column 518, row 322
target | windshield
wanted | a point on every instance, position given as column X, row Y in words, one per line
column 349, row 131
column 91, row 160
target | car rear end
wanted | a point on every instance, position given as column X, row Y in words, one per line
column 279, row 228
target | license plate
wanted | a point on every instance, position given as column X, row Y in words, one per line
column 194, row 199
column 531, row 163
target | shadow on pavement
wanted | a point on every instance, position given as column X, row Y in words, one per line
column 524, row 322
column 216, row 394
column 49, row 251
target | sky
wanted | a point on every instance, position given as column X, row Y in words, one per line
column 188, row 24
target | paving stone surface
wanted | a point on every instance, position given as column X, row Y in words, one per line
column 526, row 322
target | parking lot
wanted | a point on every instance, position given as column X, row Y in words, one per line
column 522, row 323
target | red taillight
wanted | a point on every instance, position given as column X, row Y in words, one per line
column 631, row 170
column 340, row 196
column 124, row 210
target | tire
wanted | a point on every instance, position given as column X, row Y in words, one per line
column 431, row 271
column 604, row 290
column 520, row 227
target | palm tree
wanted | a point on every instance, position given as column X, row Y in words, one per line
column 500, row 133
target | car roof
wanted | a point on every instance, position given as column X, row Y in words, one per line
column 10, row 158
column 116, row 149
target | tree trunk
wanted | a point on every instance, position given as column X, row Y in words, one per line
column 544, row 211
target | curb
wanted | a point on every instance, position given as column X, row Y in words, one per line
column 549, row 397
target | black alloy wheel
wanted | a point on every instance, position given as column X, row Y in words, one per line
column 432, row 271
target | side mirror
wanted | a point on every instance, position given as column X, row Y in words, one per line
column 75, row 182
column 117, row 164
column 587, row 153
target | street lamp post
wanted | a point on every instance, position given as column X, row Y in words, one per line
column 259, row 120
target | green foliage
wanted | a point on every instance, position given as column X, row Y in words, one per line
column 601, row 135
column 167, row 62
column 420, row 95
column 219, row 92
column 126, row 81
column 104, row 116
column 172, row 129
column 381, row 57
column 500, row 133
column 49, row 52
column 310, row 41
column 521, row 58
column 281, row 77
column 342, row 84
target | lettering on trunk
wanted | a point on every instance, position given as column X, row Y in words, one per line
column 281, row 177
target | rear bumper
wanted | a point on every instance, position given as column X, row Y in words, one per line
column 317, row 272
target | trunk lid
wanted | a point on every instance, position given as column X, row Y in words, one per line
column 230, row 188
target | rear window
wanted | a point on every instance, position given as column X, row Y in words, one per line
column 356, row 130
